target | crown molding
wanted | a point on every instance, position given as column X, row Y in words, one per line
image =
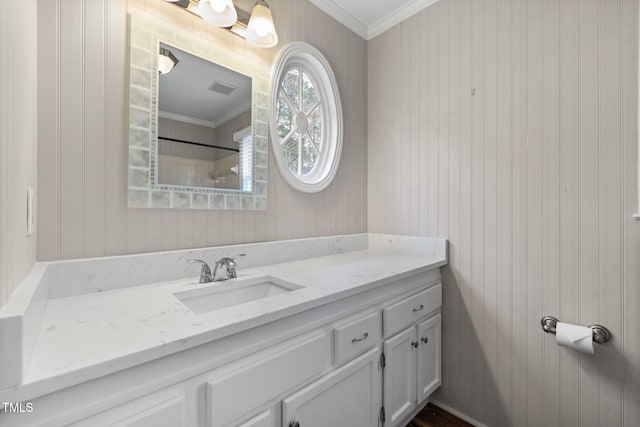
column 186, row 119
column 396, row 17
column 378, row 27
column 223, row 119
column 233, row 113
column 342, row 16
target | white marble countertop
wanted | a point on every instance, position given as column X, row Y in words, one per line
column 115, row 329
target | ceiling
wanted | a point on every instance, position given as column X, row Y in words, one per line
column 184, row 92
column 369, row 18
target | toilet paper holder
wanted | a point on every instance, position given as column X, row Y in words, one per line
column 601, row 334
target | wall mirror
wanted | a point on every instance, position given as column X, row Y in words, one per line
column 204, row 123
column 197, row 122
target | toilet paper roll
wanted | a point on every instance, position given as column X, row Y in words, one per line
column 579, row 338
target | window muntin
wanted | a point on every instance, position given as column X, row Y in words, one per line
column 306, row 118
column 299, row 121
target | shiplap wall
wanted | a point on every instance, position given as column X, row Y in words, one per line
column 82, row 52
column 510, row 127
column 18, row 21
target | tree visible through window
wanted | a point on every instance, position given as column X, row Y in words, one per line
column 305, row 118
column 299, row 121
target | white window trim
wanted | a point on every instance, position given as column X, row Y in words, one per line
column 313, row 62
column 242, row 134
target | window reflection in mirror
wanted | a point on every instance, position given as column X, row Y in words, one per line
column 204, row 124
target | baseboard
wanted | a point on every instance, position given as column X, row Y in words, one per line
column 457, row 413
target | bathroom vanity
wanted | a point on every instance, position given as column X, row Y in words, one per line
column 336, row 331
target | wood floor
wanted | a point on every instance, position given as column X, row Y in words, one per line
column 432, row 416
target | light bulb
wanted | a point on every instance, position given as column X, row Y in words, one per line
column 218, row 5
column 221, row 13
column 262, row 29
column 164, row 64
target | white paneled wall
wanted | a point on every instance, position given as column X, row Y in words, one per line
column 510, row 127
column 83, row 129
column 18, row 21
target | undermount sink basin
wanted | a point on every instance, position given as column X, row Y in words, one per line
column 233, row 292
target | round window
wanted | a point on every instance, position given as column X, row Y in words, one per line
column 306, row 118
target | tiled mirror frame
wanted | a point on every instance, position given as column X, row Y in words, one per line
column 146, row 32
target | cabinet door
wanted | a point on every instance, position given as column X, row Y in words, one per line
column 348, row 396
column 235, row 394
column 400, row 376
column 429, row 372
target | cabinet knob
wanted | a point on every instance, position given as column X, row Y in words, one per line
column 294, row 424
column 425, row 340
column 414, row 344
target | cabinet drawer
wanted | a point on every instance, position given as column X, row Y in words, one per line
column 246, row 388
column 401, row 314
column 356, row 336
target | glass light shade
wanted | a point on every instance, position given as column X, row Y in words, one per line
column 221, row 13
column 261, row 31
column 165, row 64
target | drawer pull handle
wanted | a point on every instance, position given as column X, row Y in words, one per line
column 414, row 344
column 425, row 340
column 362, row 338
column 294, row 424
column 420, row 307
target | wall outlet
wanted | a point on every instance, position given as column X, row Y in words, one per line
column 30, row 206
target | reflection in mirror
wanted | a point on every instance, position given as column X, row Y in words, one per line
column 198, row 121
column 204, row 123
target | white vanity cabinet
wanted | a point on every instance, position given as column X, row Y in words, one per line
column 348, row 396
column 263, row 419
column 367, row 359
column 429, row 356
column 412, row 369
column 371, row 380
column 165, row 408
column 261, row 379
column 411, row 352
column 400, row 377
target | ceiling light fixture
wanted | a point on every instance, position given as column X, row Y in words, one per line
column 258, row 28
column 166, row 61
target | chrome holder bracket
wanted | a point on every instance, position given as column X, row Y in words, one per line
column 601, row 334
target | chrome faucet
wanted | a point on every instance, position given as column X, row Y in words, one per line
column 230, row 265
column 205, row 273
column 206, row 276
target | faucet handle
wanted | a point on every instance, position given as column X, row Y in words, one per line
column 232, row 270
column 231, row 261
column 205, row 273
column 230, row 264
